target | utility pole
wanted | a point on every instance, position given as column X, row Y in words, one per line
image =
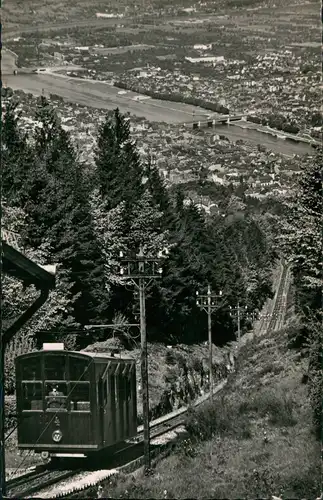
column 252, row 317
column 208, row 303
column 141, row 271
column 237, row 312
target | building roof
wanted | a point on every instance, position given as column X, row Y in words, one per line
column 102, row 356
column 96, row 356
column 21, row 267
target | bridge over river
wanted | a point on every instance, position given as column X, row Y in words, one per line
column 235, row 127
column 215, row 119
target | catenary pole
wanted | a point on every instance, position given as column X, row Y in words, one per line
column 238, row 313
column 144, row 373
column 209, row 304
column 209, row 314
column 142, row 270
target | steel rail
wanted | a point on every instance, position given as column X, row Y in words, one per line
column 279, row 301
column 27, row 486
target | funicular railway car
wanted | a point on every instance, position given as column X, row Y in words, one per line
column 74, row 403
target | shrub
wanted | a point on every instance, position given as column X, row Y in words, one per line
column 197, row 365
column 10, row 412
column 278, row 407
column 186, row 448
column 303, row 484
column 296, row 335
column 253, row 119
column 170, row 358
column 221, row 417
column 314, row 350
column 270, row 368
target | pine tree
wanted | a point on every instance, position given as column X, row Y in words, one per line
column 145, row 226
column 57, row 315
column 59, row 213
column 119, row 170
column 301, row 241
column 156, row 187
column 16, row 156
column 186, row 270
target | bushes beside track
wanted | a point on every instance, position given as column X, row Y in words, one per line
column 10, row 413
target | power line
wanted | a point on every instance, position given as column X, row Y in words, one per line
column 237, row 312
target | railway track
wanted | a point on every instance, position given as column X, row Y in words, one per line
column 28, row 484
column 43, row 477
column 279, row 302
column 271, row 320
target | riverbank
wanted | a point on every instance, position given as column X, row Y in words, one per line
column 235, row 132
column 265, row 129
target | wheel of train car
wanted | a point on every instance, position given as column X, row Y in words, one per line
column 45, row 457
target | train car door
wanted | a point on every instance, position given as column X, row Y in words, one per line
column 109, row 405
column 103, row 405
column 118, row 402
column 126, row 398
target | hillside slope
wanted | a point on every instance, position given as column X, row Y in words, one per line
column 255, row 441
column 177, row 375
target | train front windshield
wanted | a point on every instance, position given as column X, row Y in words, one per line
column 55, row 374
column 55, row 382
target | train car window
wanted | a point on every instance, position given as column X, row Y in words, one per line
column 55, row 367
column 79, row 369
column 80, row 396
column 56, row 396
column 32, row 396
column 31, row 369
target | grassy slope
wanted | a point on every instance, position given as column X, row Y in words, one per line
column 262, row 444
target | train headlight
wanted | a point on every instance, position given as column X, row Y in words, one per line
column 57, row 436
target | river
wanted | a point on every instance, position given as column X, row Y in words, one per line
column 285, row 147
column 103, row 95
